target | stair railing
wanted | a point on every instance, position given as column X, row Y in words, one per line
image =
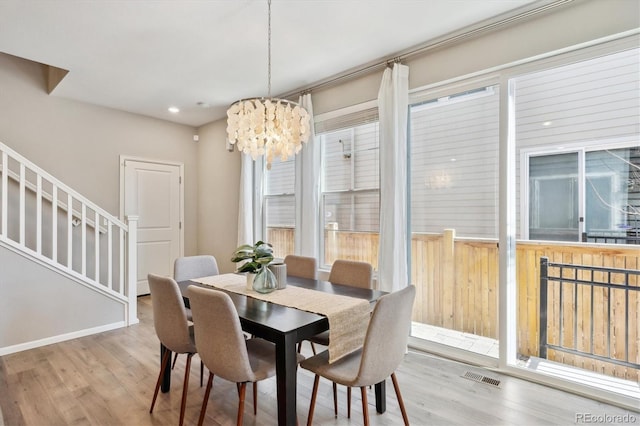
column 47, row 219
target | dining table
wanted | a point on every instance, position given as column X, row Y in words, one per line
column 285, row 327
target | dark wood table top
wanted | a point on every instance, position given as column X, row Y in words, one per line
column 256, row 313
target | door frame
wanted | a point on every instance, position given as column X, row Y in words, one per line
column 123, row 159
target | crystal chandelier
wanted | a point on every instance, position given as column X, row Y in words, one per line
column 268, row 126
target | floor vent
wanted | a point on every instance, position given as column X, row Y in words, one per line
column 481, row 379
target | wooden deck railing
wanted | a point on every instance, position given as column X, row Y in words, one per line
column 457, row 284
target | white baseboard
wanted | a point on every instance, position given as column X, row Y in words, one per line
column 60, row 338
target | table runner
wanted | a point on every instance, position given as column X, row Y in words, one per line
column 348, row 316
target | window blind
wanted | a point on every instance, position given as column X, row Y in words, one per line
column 353, row 119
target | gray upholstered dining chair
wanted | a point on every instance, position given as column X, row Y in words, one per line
column 172, row 328
column 301, row 266
column 384, row 348
column 188, row 267
column 223, row 348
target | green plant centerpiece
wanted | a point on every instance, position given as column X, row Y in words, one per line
column 255, row 259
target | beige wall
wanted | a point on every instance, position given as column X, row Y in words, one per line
column 80, row 143
column 219, row 180
column 578, row 22
column 581, row 21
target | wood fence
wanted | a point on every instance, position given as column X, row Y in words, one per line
column 457, row 286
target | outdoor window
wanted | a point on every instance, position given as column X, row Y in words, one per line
column 279, row 206
column 576, row 128
column 610, row 190
column 350, row 193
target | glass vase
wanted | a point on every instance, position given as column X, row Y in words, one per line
column 265, row 281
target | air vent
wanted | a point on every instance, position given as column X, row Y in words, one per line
column 481, row 379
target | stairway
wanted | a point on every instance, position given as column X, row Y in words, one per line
column 67, row 263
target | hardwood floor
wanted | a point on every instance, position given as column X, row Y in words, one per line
column 108, row 379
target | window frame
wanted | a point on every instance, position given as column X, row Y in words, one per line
column 343, row 119
column 581, row 148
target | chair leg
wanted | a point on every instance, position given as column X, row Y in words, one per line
column 163, row 366
column 348, row 402
column 203, row 410
column 299, row 346
column 243, row 391
column 335, row 400
column 175, row 358
column 255, row 398
column 313, row 348
column 312, row 406
column 365, row 408
column 201, row 371
column 400, row 401
column 185, row 388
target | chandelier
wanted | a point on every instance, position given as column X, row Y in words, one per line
column 268, row 126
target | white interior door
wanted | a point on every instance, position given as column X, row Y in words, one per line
column 152, row 191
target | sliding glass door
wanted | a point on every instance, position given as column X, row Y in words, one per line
column 454, row 219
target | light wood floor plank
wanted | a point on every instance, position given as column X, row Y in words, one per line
column 108, row 379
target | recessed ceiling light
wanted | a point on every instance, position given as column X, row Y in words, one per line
column 547, row 123
column 174, row 110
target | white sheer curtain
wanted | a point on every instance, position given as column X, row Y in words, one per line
column 393, row 104
column 249, row 203
column 307, row 190
column 245, row 204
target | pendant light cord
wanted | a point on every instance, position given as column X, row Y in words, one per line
column 269, row 51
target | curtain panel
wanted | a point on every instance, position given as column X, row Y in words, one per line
column 308, row 190
column 393, row 105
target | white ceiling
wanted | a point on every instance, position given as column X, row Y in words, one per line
column 143, row 56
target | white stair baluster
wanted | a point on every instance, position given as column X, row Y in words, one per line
column 83, row 231
column 54, row 222
column 121, row 285
column 21, row 239
column 96, row 233
column 39, row 214
column 69, row 231
column 110, row 254
column 5, row 188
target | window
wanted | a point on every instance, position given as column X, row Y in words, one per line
column 279, row 206
column 454, row 163
column 350, row 193
column 610, row 190
column 553, row 197
column 576, row 128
